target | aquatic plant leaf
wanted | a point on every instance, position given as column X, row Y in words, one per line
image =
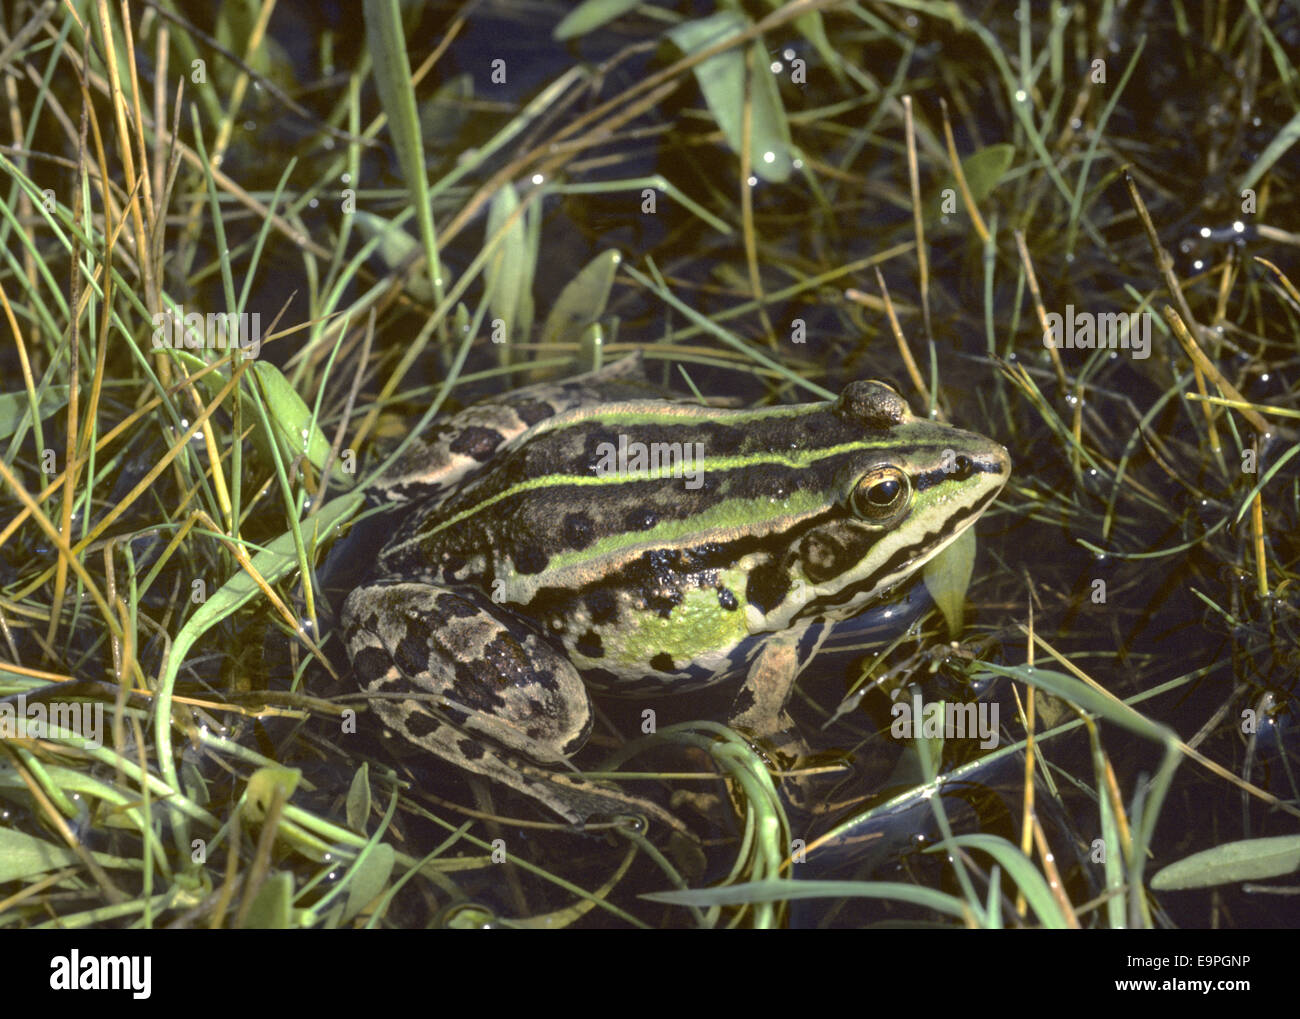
column 582, row 301
column 722, row 80
column 1245, row 860
column 589, row 15
column 15, row 407
column 272, row 906
column 947, row 578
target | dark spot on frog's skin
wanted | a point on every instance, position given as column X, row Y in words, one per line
column 532, row 411
column 822, row 557
column 530, row 561
column 411, row 655
column 455, row 606
column 640, row 519
column 655, row 575
column 478, row 692
column 743, row 702
column 727, row 600
column 419, row 725
column 663, row 662
column 477, row 442
column 578, row 530
column 371, row 666
column 602, row 606
column 454, row 716
column 470, row 750
column 451, row 566
column 545, row 679
column 593, row 455
column 767, row 585
column 589, row 644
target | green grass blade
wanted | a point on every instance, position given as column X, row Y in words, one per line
column 392, row 73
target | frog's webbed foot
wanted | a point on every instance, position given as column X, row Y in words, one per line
column 479, row 688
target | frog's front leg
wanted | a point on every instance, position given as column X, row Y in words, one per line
column 759, row 708
column 459, row 676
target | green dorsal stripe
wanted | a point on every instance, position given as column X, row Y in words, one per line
column 794, row 460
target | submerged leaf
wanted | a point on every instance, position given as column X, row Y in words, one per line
column 582, row 301
column 1246, row 860
column 589, row 15
column 947, row 577
column 509, row 271
column 15, row 407
column 271, row 908
column 369, row 879
column 983, row 171
column 722, row 80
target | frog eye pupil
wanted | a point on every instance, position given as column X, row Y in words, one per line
column 883, row 493
column 880, row 495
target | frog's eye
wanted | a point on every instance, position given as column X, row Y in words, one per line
column 881, row 495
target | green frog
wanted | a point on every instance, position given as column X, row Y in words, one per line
column 590, row 535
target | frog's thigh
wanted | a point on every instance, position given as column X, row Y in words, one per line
column 488, row 671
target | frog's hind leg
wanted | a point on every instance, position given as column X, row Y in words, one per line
column 471, row 683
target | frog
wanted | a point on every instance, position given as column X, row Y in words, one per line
column 597, row 535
